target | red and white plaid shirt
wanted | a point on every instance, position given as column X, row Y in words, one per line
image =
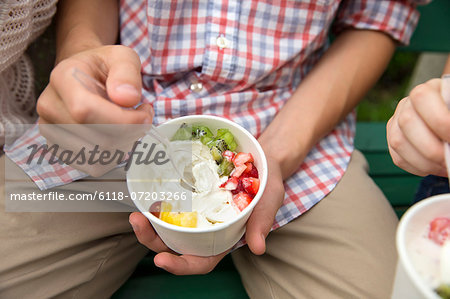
column 241, row 60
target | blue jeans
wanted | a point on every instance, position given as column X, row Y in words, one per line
column 431, row 185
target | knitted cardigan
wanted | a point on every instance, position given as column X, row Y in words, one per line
column 21, row 21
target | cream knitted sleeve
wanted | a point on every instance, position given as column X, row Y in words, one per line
column 21, row 21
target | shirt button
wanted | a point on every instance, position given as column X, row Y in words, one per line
column 221, row 42
column 196, row 87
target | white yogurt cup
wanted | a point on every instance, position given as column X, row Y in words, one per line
column 408, row 281
column 222, row 236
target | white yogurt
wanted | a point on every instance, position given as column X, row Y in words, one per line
column 430, row 260
column 212, row 204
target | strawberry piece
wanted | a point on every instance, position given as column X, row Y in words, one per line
column 251, row 170
column 239, row 188
column 242, row 158
column 251, row 185
column 439, row 230
column 230, row 184
column 242, row 200
column 253, row 173
column 238, row 170
column 229, row 155
column 249, row 167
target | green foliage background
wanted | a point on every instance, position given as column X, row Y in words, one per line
column 380, row 102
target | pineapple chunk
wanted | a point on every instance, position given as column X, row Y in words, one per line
column 184, row 219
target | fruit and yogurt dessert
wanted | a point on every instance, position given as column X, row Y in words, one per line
column 430, row 255
column 225, row 181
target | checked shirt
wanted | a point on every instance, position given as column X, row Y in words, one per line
column 241, row 60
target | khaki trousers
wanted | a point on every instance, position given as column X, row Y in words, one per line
column 342, row 248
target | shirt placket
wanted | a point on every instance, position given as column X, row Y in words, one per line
column 221, row 40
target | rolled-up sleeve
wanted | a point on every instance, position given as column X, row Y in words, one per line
column 398, row 19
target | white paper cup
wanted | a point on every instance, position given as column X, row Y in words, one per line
column 408, row 282
column 220, row 237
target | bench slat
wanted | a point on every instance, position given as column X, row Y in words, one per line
column 398, row 186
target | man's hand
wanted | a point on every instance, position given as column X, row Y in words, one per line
column 67, row 101
column 258, row 227
column 263, row 215
column 416, row 131
column 167, row 259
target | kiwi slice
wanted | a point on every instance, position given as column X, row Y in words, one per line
column 206, row 139
column 183, row 133
column 219, row 143
column 201, row 131
column 216, row 154
column 225, row 168
column 228, row 138
column 232, row 146
column 444, row 291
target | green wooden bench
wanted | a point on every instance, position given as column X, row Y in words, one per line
column 399, row 187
